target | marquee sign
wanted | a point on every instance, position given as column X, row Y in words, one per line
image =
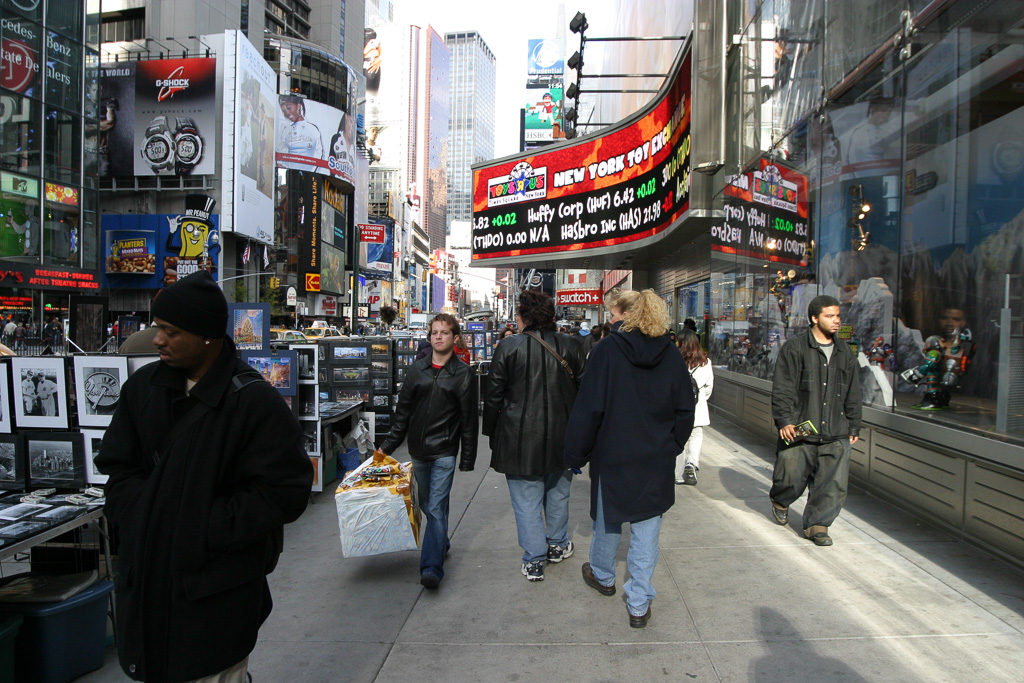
column 578, row 297
column 628, row 184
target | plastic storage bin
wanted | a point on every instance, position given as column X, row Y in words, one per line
column 9, row 626
column 60, row 641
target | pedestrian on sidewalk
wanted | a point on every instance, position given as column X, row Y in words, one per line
column 816, row 381
column 206, row 465
column 633, row 415
column 703, row 381
column 530, row 389
column 437, row 409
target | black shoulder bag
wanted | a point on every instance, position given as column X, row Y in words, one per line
column 554, row 353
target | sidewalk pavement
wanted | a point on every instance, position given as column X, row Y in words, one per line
column 739, row 597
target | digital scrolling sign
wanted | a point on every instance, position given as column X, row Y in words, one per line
column 628, row 184
column 766, row 215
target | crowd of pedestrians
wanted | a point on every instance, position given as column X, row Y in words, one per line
column 198, row 505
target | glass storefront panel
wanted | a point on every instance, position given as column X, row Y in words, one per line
column 63, row 72
column 915, row 177
column 62, row 232
column 20, row 138
column 63, row 152
column 19, row 217
column 65, row 16
column 21, row 42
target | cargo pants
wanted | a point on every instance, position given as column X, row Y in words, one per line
column 824, row 468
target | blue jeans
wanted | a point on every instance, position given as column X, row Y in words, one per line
column 541, row 505
column 641, row 559
column 434, row 487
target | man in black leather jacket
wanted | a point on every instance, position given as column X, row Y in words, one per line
column 437, row 408
column 816, row 380
column 527, row 402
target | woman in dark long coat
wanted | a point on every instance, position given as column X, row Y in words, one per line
column 633, row 414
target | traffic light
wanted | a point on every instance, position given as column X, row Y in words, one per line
column 275, row 282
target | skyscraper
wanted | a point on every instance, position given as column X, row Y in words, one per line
column 471, row 127
column 432, row 133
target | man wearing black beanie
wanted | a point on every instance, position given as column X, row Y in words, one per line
column 206, row 466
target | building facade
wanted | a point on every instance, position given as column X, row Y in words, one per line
column 49, row 131
column 471, row 123
column 868, row 151
column 432, row 133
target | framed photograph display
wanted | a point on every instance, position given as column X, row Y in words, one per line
column 98, row 382
column 349, row 353
column 93, row 441
column 249, row 326
column 380, row 367
column 13, row 475
column 349, row 395
column 40, row 392
column 382, row 384
column 55, row 459
column 280, row 369
column 138, row 361
column 380, row 350
column 6, row 417
column 349, row 375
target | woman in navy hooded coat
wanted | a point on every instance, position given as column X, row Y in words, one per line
column 632, row 415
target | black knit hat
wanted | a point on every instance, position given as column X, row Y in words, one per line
column 195, row 304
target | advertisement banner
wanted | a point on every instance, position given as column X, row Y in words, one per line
column 308, row 224
column 543, row 111
column 117, row 120
column 332, row 270
column 181, row 244
column 250, row 108
column 174, row 116
column 315, row 137
column 766, row 215
column 377, row 258
column 19, row 55
column 628, row 184
column 437, row 293
column 130, row 252
column 374, row 295
column 545, row 57
column 578, row 297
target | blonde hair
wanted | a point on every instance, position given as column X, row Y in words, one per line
column 622, row 299
column 647, row 313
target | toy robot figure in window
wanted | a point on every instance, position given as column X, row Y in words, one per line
column 947, row 357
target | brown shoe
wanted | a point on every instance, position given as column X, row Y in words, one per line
column 780, row 514
column 591, row 580
column 641, row 621
column 818, row 534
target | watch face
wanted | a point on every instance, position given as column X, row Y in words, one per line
column 188, row 148
column 157, row 150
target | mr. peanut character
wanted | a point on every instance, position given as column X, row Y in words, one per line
column 947, row 357
column 193, row 231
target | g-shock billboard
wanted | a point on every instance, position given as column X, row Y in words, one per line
column 628, row 184
column 158, row 117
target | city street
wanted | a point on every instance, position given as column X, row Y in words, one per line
column 740, row 598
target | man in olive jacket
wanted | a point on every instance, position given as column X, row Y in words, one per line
column 206, row 465
column 527, row 401
column 815, row 380
column 437, row 408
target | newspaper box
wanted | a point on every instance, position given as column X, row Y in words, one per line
column 377, row 508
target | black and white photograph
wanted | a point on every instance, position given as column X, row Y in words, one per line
column 40, row 392
column 21, row 510
column 382, row 384
column 98, row 381
column 55, row 459
column 60, row 513
column 12, row 463
column 6, row 423
column 380, row 367
column 20, row 529
column 93, row 442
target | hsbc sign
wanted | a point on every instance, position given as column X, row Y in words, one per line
column 578, row 297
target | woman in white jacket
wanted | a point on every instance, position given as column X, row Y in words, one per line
column 688, row 462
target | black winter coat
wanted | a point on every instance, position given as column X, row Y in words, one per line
column 804, row 387
column 632, row 417
column 527, row 400
column 438, row 410
column 200, row 487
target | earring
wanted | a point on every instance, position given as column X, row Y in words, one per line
column 207, row 342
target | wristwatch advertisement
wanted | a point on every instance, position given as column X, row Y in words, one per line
column 158, row 146
column 178, row 149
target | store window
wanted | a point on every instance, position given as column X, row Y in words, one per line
column 22, row 48
column 20, row 139
column 19, row 217
column 65, row 16
column 63, row 152
column 63, row 72
column 62, row 233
